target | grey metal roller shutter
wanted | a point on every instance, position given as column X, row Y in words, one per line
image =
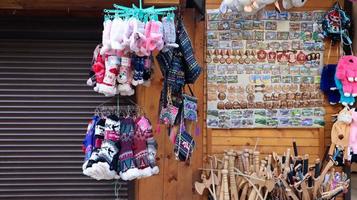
column 44, row 109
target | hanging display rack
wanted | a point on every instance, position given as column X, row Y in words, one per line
column 138, row 12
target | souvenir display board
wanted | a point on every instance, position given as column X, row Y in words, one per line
column 264, row 70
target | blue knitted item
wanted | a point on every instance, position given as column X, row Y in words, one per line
column 328, row 85
column 192, row 69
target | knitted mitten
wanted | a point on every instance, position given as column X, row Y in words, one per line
column 169, row 30
column 140, row 149
column 109, row 87
column 138, row 63
column 125, row 77
column 127, row 168
column 107, row 25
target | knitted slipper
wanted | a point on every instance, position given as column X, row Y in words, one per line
column 128, row 31
column 128, row 171
column 116, row 34
column 169, row 30
column 154, row 40
column 137, row 38
column 107, row 24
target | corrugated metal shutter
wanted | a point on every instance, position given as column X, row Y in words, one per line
column 44, row 109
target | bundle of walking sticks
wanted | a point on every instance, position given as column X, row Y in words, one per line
column 243, row 175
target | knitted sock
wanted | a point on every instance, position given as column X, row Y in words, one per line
column 138, row 64
column 147, row 71
column 333, row 96
column 109, row 87
column 102, row 162
column 123, row 77
column 151, row 143
column 140, row 149
column 127, row 168
column 99, row 133
column 89, row 140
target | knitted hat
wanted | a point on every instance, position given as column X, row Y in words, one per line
column 127, row 168
column 192, row 69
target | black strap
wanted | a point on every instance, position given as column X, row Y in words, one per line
column 190, row 90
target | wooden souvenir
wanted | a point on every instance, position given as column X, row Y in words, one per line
column 318, row 181
column 232, row 176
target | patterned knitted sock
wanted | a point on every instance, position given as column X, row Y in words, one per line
column 127, row 168
column 140, row 149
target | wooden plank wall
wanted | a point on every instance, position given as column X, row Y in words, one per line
column 175, row 181
column 311, row 141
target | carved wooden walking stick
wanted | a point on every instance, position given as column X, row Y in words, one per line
column 288, row 189
column 320, row 178
column 224, row 193
column 232, row 178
